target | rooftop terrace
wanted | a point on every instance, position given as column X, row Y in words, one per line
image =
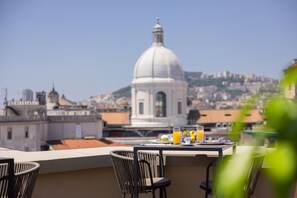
column 88, row 172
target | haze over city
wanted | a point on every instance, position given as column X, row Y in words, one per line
column 89, row 48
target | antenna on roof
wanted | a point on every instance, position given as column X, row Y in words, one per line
column 5, row 96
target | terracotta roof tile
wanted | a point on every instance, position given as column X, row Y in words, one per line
column 116, row 117
column 65, row 102
column 228, row 115
column 81, row 143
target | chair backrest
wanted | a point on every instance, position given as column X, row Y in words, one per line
column 25, row 177
column 123, row 164
column 254, row 172
column 153, row 160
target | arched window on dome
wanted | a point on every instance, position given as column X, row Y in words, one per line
column 160, row 104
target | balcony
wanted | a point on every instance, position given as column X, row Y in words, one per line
column 89, row 173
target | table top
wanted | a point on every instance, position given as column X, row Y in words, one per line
column 194, row 147
column 6, row 160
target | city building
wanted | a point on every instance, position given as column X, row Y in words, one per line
column 291, row 90
column 53, row 99
column 27, row 95
column 158, row 89
column 224, row 118
column 29, row 125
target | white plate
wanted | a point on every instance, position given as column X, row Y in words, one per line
column 184, row 144
column 211, row 143
column 159, row 141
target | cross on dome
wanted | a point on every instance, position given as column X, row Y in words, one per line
column 158, row 20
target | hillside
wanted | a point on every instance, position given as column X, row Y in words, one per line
column 222, row 84
column 123, row 92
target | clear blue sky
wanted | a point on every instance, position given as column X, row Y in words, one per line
column 90, row 47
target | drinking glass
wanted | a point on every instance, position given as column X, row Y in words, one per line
column 200, row 133
column 176, row 135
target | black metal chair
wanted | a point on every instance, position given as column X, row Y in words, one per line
column 251, row 180
column 148, row 179
column 207, row 184
column 24, row 179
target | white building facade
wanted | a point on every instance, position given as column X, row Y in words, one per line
column 28, row 125
column 24, row 134
column 74, row 127
column 158, row 89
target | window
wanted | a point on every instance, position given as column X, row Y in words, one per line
column 9, row 133
column 160, row 104
column 78, row 130
column 140, row 107
column 179, row 107
column 26, row 132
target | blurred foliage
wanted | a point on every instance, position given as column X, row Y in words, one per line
column 280, row 116
column 236, row 170
column 239, row 124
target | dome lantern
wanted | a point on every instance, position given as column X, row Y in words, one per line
column 158, row 33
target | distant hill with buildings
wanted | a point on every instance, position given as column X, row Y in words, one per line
column 123, row 92
column 219, row 86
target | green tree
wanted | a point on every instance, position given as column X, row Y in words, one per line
column 281, row 117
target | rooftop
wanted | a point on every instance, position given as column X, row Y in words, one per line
column 228, row 115
column 89, row 173
column 121, row 118
column 82, row 143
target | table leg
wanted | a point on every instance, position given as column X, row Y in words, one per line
column 220, row 154
column 234, row 149
column 161, row 165
column 11, row 178
column 135, row 173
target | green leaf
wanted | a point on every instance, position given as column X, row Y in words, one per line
column 281, row 116
column 290, row 77
column 282, row 165
column 234, row 171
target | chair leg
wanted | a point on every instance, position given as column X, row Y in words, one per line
column 164, row 189
column 153, row 193
column 206, row 193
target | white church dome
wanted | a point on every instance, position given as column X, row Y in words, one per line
column 158, row 89
column 158, row 61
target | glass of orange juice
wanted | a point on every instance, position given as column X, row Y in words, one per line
column 176, row 135
column 200, row 133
